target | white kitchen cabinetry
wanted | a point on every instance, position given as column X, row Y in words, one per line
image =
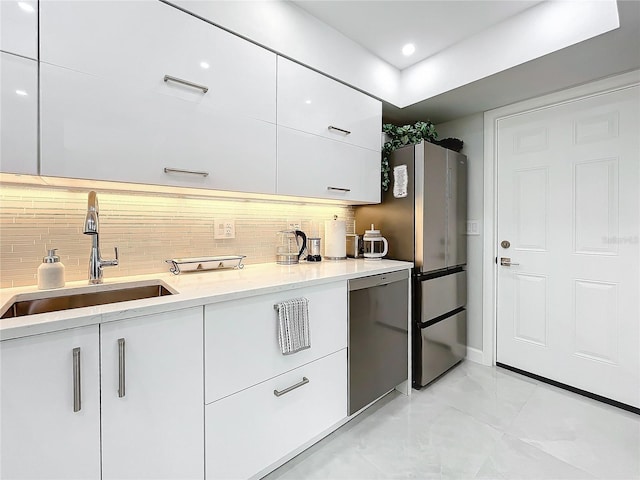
column 250, row 325
column 328, row 137
column 248, row 425
column 19, row 27
column 19, row 114
column 312, row 166
column 316, row 104
column 137, row 387
column 152, row 389
column 249, row 431
column 142, row 92
column 45, row 379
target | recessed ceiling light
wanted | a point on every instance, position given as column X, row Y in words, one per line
column 307, row 102
column 21, row 93
column 408, row 49
column 26, row 7
column 204, row 65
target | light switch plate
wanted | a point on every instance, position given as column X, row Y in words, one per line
column 473, row 227
column 224, row 228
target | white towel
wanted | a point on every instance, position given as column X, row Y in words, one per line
column 293, row 325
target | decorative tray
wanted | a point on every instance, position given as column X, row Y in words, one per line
column 204, row 263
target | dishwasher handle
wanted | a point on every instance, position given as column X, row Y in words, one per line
column 378, row 280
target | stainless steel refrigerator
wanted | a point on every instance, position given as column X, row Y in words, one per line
column 423, row 217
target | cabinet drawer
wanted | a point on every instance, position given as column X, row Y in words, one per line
column 250, row 430
column 313, row 166
column 19, row 114
column 443, row 294
column 137, row 43
column 313, row 103
column 241, row 337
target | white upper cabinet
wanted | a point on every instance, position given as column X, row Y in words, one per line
column 312, row 166
column 19, row 114
column 316, row 104
column 328, row 137
column 19, row 27
column 142, row 92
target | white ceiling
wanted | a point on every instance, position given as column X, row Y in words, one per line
column 384, row 26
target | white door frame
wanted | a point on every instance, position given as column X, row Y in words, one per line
column 490, row 248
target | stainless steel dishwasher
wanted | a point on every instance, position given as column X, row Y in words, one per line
column 378, row 336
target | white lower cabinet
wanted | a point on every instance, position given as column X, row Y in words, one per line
column 152, row 390
column 122, row 400
column 50, row 406
column 250, row 430
column 249, row 325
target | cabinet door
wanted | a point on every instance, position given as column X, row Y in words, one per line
column 152, row 391
column 314, row 103
column 19, row 114
column 46, row 430
column 19, row 27
column 252, row 429
column 250, row 325
column 313, row 166
column 173, row 92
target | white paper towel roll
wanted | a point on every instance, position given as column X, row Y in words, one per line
column 335, row 239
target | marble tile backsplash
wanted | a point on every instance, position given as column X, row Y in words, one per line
column 147, row 228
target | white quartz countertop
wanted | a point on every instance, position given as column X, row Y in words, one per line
column 193, row 289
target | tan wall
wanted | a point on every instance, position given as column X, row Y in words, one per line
column 148, row 229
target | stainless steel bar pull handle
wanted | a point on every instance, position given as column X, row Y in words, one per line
column 121, row 368
column 279, row 393
column 190, row 172
column 77, row 393
column 341, row 130
column 169, row 78
column 339, row 189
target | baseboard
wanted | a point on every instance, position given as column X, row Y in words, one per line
column 564, row 386
column 475, row 355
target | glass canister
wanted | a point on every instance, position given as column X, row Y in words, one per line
column 375, row 245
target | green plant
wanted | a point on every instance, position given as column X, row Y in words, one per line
column 400, row 137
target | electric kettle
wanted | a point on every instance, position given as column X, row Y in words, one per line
column 289, row 249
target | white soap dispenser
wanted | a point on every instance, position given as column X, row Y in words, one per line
column 51, row 271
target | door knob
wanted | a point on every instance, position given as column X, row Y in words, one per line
column 506, row 262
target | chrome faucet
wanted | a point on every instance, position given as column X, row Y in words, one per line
column 91, row 228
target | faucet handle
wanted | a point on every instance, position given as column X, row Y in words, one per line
column 111, row 263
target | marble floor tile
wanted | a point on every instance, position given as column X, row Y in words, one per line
column 490, row 395
column 513, row 458
column 478, row 422
column 597, row 438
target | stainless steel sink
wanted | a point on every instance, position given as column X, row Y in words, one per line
column 26, row 305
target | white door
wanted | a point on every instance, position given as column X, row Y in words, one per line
column 568, row 204
column 152, row 397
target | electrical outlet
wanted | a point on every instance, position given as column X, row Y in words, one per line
column 293, row 224
column 224, row 228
